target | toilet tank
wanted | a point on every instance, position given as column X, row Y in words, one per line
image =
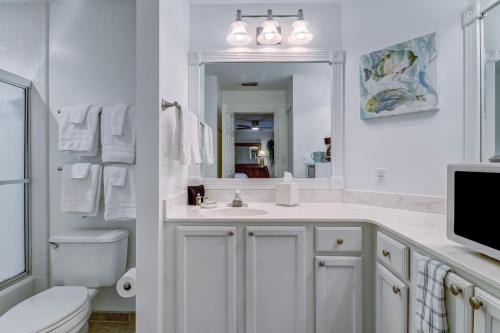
column 88, row 258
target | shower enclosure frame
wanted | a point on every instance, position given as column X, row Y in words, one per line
column 26, row 85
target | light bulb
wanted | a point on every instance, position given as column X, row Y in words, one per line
column 239, row 35
column 269, row 34
column 300, row 33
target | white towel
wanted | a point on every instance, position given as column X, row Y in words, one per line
column 80, row 170
column 118, row 148
column 208, row 145
column 118, row 118
column 78, row 137
column 185, row 137
column 430, row 312
column 119, row 192
column 95, row 147
column 77, row 113
column 195, row 147
column 81, row 196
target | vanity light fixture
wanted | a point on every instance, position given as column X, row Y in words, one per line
column 269, row 32
column 239, row 35
column 300, row 34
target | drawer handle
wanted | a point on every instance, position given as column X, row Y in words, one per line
column 475, row 303
column 385, row 253
column 455, row 290
column 322, row 263
column 251, row 233
column 230, row 233
column 396, row 290
column 340, row 241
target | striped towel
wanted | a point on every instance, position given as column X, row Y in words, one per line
column 430, row 313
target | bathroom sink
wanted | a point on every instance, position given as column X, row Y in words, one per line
column 232, row 212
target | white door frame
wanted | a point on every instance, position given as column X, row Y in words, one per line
column 336, row 59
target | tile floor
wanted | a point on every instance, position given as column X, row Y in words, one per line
column 112, row 323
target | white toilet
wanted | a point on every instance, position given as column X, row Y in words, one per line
column 81, row 260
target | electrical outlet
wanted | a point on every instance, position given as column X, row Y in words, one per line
column 381, row 174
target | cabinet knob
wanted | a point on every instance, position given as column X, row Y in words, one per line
column 475, row 303
column 340, row 241
column 322, row 263
column 455, row 290
column 230, row 233
column 385, row 253
column 396, row 290
column 251, row 233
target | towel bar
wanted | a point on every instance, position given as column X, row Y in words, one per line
column 165, row 105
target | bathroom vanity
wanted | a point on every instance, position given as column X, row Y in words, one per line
column 316, row 268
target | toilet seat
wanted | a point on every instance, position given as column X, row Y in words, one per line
column 56, row 310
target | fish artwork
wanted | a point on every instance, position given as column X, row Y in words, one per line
column 390, row 99
column 391, row 63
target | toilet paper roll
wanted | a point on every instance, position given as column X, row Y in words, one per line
column 126, row 285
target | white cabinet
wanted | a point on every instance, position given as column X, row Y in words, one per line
column 487, row 312
column 275, row 280
column 392, row 302
column 206, row 279
column 459, row 312
column 339, row 287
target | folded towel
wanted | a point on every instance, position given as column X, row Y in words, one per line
column 80, row 170
column 195, row 147
column 118, row 118
column 118, row 148
column 119, row 192
column 81, row 195
column 208, row 145
column 95, row 147
column 430, row 312
column 78, row 137
column 77, row 113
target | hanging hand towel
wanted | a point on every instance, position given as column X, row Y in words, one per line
column 208, row 145
column 95, row 147
column 186, row 139
column 77, row 113
column 430, row 313
column 78, row 137
column 195, row 138
column 81, row 195
column 118, row 148
column 119, row 192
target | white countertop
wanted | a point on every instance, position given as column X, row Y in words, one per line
column 423, row 230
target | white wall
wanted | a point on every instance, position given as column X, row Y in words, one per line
column 415, row 148
column 92, row 60
column 23, row 51
column 210, row 24
column 311, row 118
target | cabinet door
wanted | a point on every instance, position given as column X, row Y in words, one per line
column 339, row 287
column 275, row 280
column 392, row 302
column 206, row 279
column 487, row 312
column 459, row 313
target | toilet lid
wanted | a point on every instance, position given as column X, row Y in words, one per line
column 44, row 309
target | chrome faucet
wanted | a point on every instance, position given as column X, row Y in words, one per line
column 237, row 201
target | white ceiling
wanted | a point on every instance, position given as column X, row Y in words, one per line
column 268, row 75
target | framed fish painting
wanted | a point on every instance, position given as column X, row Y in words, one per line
column 400, row 79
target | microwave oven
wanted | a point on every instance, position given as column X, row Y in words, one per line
column 473, row 207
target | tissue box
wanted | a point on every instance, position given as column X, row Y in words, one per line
column 287, row 194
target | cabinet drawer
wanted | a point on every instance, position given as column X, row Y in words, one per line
column 338, row 239
column 393, row 254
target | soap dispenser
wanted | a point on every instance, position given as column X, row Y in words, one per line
column 287, row 192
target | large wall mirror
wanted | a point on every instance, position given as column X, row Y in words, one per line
column 269, row 117
column 491, row 85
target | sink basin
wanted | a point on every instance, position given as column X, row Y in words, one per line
column 232, row 212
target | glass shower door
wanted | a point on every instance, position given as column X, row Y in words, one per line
column 14, row 178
